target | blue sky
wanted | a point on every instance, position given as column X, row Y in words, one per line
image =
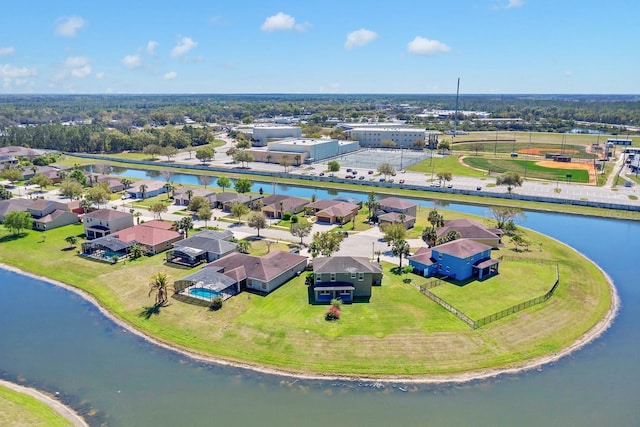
column 329, row 46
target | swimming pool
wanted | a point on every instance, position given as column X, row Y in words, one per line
column 204, row 293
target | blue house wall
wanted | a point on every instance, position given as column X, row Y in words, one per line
column 454, row 267
column 148, row 194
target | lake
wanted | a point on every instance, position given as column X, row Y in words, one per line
column 53, row 340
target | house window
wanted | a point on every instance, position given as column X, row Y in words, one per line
column 353, row 275
column 325, row 293
column 448, row 269
column 468, row 260
column 439, row 255
column 264, row 285
column 318, row 277
column 333, row 277
column 345, row 293
column 360, row 277
column 440, row 267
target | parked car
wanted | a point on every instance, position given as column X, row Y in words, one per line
column 348, row 169
column 391, row 180
column 348, row 176
column 449, row 185
column 382, row 180
column 478, row 188
column 355, row 172
column 370, row 172
column 401, row 181
column 321, row 174
column 361, row 177
column 435, row 184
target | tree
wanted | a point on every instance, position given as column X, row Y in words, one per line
column 204, row 214
column 393, row 232
column 333, row 166
column 153, row 150
column 519, row 241
column 285, row 162
column 386, row 169
column 243, row 144
column 197, row 202
column 269, row 157
column 510, row 179
column 71, row 240
column 257, row 220
column 169, row 187
column 184, row 225
column 238, row 210
column 478, row 146
column 5, row 194
column 143, row 190
column 301, row 229
column 223, row 182
column 170, row 152
column 79, row 176
column 17, row 221
column 372, row 204
column 98, row 194
column 85, row 205
column 158, row 209
column 158, row 284
column 430, row 235
column 243, row 246
column 444, row 176
column 387, row 143
column 242, row 185
column 244, row 157
column 71, row 188
column 204, row 180
column 325, row 243
column 449, row 237
column 400, row 248
column 444, row 146
column 12, row 175
column 231, row 151
column 205, row 154
column 418, row 144
column 435, row 219
column 136, row 251
column 41, row 181
column 297, row 158
column 503, row 215
column 126, row 183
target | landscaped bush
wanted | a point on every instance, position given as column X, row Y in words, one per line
column 216, row 304
column 334, row 311
column 294, row 219
column 286, row 216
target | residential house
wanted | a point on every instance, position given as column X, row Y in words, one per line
column 182, row 196
column 396, row 218
column 459, row 259
column 341, row 213
column 225, row 200
column 114, row 183
column 401, row 206
column 50, row 214
column 344, row 278
column 262, row 274
column 153, row 236
column 103, row 222
column 470, row 229
column 151, row 189
column 276, row 205
column 13, row 205
column 205, row 246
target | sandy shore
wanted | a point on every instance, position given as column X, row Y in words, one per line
column 535, row 363
column 60, row 408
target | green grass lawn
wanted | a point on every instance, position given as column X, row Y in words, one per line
column 18, row 409
column 528, row 168
column 399, row 331
column 444, row 164
column 478, row 299
column 489, row 148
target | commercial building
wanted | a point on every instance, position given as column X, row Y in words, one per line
column 301, row 150
column 402, row 137
column 263, row 134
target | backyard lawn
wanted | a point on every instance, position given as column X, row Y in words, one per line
column 18, row 409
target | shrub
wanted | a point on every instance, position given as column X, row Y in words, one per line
column 332, row 314
column 286, row 216
column 216, row 304
column 294, row 219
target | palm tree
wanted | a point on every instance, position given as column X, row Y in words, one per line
column 297, row 157
column 143, row 190
column 85, row 205
column 126, row 182
column 269, row 157
column 169, row 187
column 189, row 194
column 135, row 251
column 400, row 248
column 158, row 284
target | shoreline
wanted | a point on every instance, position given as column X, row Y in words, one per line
column 592, row 334
column 54, row 404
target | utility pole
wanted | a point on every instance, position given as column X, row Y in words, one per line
column 455, row 116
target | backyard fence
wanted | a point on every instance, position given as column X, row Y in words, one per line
column 475, row 324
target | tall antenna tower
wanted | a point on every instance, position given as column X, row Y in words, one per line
column 455, row 116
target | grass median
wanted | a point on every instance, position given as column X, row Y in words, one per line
column 19, row 409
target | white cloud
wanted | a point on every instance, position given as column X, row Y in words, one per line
column 151, row 47
column 184, row 45
column 6, row 51
column 81, row 72
column 281, row 22
column 132, row 61
column 100, row 75
column 510, row 4
column 360, row 38
column 423, row 46
column 76, row 66
column 170, row 75
column 69, row 26
column 76, row 61
column 11, row 72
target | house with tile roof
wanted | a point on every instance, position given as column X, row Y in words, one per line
column 182, row 196
column 459, row 260
column 338, row 213
column 151, row 188
column 276, row 205
column 345, row 278
column 262, row 274
column 153, row 236
column 396, row 218
column 396, row 204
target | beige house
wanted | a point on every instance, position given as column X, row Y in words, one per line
column 340, row 213
column 103, row 222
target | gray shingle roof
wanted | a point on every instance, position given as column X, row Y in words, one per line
column 345, row 264
column 468, row 229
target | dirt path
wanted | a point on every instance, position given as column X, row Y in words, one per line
column 57, row 406
column 551, row 164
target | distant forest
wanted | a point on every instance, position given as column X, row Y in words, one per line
column 111, row 123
